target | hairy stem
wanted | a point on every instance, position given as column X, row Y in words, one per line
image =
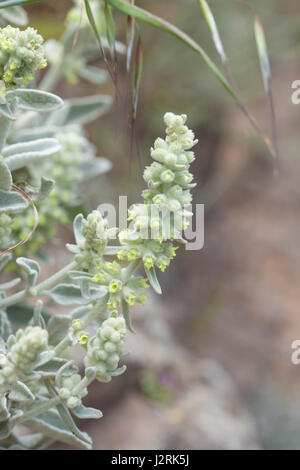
column 35, row 291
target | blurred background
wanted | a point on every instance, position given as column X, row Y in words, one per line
column 210, row 366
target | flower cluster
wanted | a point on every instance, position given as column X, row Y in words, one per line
column 21, row 54
column 24, row 351
column 114, row 277
column 72, row 391
column 94, row 237
column 5, row 229
column 163, row 217
column 105, row 349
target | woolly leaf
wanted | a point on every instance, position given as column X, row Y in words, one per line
column 151, row 274
column 15, row 15
column 5, row 176
column 51, row 425
column 58, row 327
column 5, row 328
column 10, row 284
column 84, row 110
column 83, row 412
column 35, row 100
column 31, row 267
column 11, row 201
column 21, row 393
column 93, row 74
column 26, row 153
column 70, row 294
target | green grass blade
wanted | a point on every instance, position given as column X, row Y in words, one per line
column 163, row 25
column 12, row 3
column 262, row 52
column 210, row 20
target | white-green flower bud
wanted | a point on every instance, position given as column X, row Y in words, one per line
column 21, row 55
column 106, row 348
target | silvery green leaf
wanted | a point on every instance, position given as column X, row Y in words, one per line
column 118, row 371
column 21, row 393
column 6, row 112
column 78, row 313
column 5, row 328
column 35, row 100
column 31, row 267
column 70, row 294
column 33, row 133
column 9, row 284
column 72, row 248
column 40, row 193
column 25, row 153
column 66, row 417
column 83, row 412
column 61, row 372
column 77, row 228
column 80, row 275
column 4, row 260
column 6, row 427
column 84, row 285
column 127, row 317
column 5, row 176
column 112, row 250
column 4, row 412
column 44, row 357
column 15, row 15
column 94, row 167
column 151, row 274
column 51, row 425
column 84, row 110
column 11, row 201
column 93, row 74
column 20, row 314
column 57, row 328
column 50, row 368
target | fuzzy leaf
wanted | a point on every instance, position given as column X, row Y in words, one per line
column 5, row 328
column 83, row 412
column 11, row 201
column 50, row 368
column 84, row 110
column 15, row 15
column 6, row 112
column 25, row 153
column 51, row 425
column 4, row 260
column 93, row 74
column 127, row 317
column 5, row 176
column 10, row 284
column 58, row 327
column 70, row 294
column 21, row 393
column 31, row 267
column 151, row 274
column 35, row 100
column 77, row 228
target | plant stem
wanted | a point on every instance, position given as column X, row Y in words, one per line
column 39, row 409
column 35, row 291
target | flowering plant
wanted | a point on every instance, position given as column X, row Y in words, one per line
column 41, row 386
